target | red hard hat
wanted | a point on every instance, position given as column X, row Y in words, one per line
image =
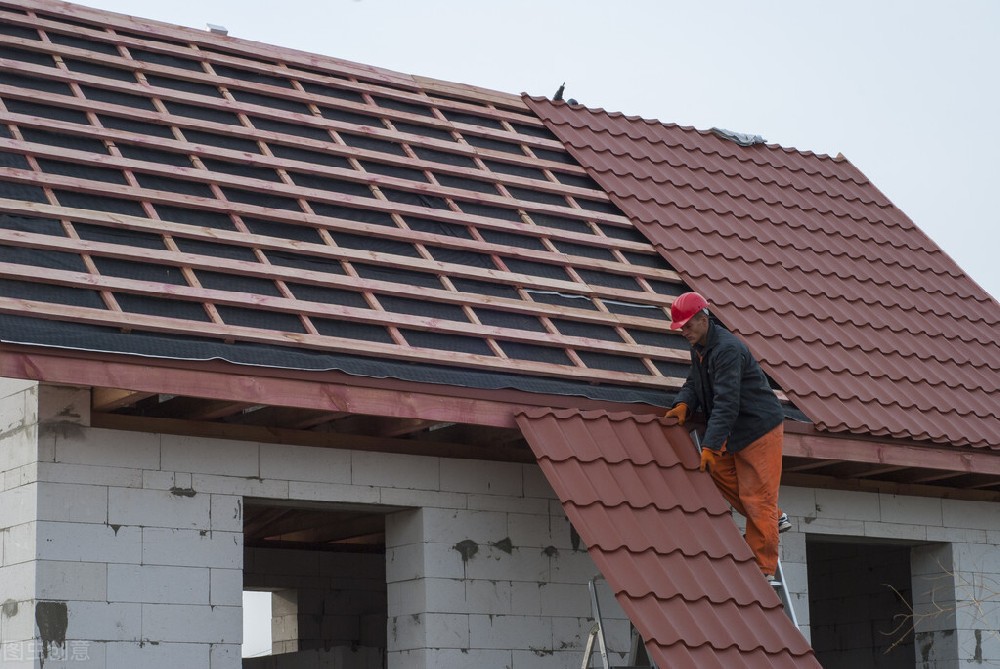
column 684, row 307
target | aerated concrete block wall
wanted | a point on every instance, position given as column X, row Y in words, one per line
column 954, row 564
column 126, row 549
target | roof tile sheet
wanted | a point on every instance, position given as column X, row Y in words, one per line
column 866, row 324
column 662, row 536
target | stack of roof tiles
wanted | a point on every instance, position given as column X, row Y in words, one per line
column 865, row 323
column 662, row 536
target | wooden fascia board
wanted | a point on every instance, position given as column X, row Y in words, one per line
column 325, row 391
column 805, row 442
column 334, row 391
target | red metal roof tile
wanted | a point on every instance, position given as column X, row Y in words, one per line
column 662, row 536
column 864, row 322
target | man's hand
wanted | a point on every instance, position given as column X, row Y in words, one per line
column 708, row 458
column 679, row 412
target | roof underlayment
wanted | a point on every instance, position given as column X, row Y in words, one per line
column 864, row 322
column 163, row 181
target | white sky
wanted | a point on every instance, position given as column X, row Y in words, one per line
column 908, row 90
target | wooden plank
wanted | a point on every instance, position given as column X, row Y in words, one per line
column 398, row 234
column 111, row 399
column 946, row 459
column 337, row 254
column 353, row 442
column 292, row 94
column 888, row 488
column 227, row 333
column 300, row 307
column 323, row 391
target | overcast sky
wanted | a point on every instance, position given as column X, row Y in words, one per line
column 908, row 91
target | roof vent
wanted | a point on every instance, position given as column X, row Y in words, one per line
column 741, row 138
column 216, row 29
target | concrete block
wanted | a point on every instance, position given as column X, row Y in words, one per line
column 17, row 582
column 103, row 621
column 157, row 655
column 448, row 658
column 510, row 632
column 190, row 548
column 547, row 658
column 226, row 513
column 483, row 478
column 433, row 595
column 18, row 445
column 425, row 561
column 489, row 597
column 192, row 624
column 63, row 404
column 571, row 634
column 250, row 486
column 159, row 508
column 18, row 505
column 852, row 528
column 111, row 448
column 429, row 630
column 160, row 480
column 100, row 475
column 895, row 531
column 210, row 456
column 537, row 531
column 797, row 501
column 525, row 505
column 569, row 566
column 793, row 546
column 89, row 542
column 846, row 505
column 156, row 584
column 565, row 599
column 14, row 412
column 395, row 471
column 526, row 598
column 494, row 563
column 72, row 580
column 10, row 386
column 19, row 544
column 404, row 527
column 456, row 525
column 911, row 510
column 305, row 463
column 974, row 515
column 73, row 502
column 535, row 484
column 422, row 498
column 225, row 656
column 333, row 492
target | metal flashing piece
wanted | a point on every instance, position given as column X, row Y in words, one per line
column 741, row 138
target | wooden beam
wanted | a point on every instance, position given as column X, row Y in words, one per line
column 353, row 442
column 813, row 445
column 112, row 399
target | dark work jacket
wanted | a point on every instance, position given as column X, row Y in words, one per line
column 729, row 387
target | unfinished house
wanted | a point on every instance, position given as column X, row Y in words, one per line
column 396, row 351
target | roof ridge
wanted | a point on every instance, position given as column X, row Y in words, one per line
column 858, row 178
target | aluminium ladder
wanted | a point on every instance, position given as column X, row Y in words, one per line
column 637, row 653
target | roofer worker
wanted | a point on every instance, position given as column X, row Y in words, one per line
column 741, row 448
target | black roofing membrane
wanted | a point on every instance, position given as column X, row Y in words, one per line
column 92, row 338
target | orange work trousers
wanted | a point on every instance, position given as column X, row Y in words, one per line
column 749, row 481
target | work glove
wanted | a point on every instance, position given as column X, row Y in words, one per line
column 679, row 412
column 708, row 458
